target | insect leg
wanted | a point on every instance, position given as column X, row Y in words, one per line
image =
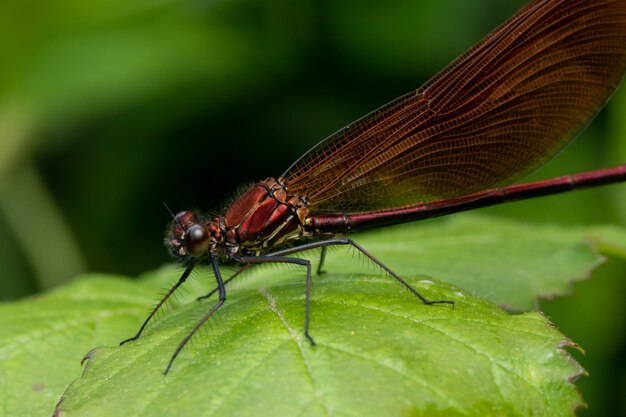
column 297, row 261
column 322, row 259
column 394, row 274
column 221, row 298
column 171, row 291
column 347, row 241
column 214, row 290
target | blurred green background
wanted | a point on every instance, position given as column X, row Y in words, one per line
column 108, row 109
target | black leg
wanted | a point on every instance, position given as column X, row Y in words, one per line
column 346, row 241
column 322, row 259
column 276, row 257
column 396, row 276
column 171, row 291
column 222, row 297
column 214, row 290
column 298, row 261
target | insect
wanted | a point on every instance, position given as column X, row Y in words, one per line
column 496, row 113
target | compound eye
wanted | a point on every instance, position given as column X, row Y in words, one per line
column 197, row 241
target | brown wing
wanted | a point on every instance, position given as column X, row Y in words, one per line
column 500, row 110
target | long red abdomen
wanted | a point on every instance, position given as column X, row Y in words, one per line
column 340, row 223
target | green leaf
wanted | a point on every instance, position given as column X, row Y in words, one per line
column 43, row 339
column 609, row 240
column 510, row 263
column 379, row 352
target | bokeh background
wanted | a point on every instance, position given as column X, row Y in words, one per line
column 108, row 109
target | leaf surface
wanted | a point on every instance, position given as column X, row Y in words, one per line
column 507, row 262
column 380, row 351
